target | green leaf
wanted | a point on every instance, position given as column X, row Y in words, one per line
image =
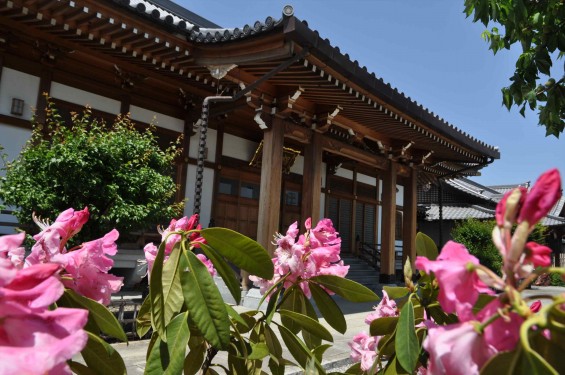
column 328, row 308
column 158, row 359
column 396, row 292
column 272, row 305
column 501, row 363
column 103, row 318
column 156, row 292
column 273, row 343
column 311, row 340
column 259, row 350
column 406, row 343
column 80, row 369
column 348, row 289
column 102, row 358
column 426, row 247
column 320, row 350
column 296, row 347
column 194, row 359
column 225, row 272
column 178, row 335
column 204, row 302
column 308, row 324
column 143, row 320
column 172, row 289
column 235, row 316
column 292, row 301
column 383, row 326
column 242, row 251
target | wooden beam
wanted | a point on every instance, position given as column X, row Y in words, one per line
column 409, row 217
column 388, row 226
column 312, row 179
column 354, row 153
column 270, row 190
column 45, row 80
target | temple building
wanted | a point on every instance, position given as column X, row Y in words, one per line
column 279, row 124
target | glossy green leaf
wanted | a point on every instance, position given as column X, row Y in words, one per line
column 104, row 319
column 276, row 367
column 158, row 359
column 311, row 368
column 348, row 289
column 204, row 302
column 242, row 251
column 328, row 308
column 272, row 305
column 259, row 350
column 320, row 350
column 143, row 320
column 292, row 301
column 296, row 347
column 156, row 292
column 172, row 290
column 426, row 247
column 235, row 316
column 225, row 271
column 273, row 343
column 406, row 343
column 194, row 359
column 102, row 358
column 396, row 292
column 80, row 369
column 383, row 326
column 502, row 363
column 533, row 364
column 308, row 324
column 310, row 339
column 178, row 335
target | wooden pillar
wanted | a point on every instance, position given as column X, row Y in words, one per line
column 409, row 218
column 125, row 104
column 388, row 226
column 44, row 87
column 270, row 190
column 312, row 179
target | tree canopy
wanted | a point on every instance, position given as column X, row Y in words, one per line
column 118, row 172
column 538, row 26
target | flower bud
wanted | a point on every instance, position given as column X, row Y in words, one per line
column 543, row 196
column 509, row 206
column 538, row 255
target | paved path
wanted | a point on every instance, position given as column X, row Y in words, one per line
column 336, row 356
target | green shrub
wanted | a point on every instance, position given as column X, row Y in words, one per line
column 118, row 172
column 476, row 235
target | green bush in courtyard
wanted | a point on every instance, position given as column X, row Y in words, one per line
column 476, row 235
column 118, row 172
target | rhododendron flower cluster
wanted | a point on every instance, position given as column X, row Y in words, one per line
column 313, row 253
column 35, row 339
column 464, row 343
column 363, row 346
column 85, row 267
column 173, row 235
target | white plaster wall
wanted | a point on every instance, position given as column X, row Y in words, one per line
column 298, row 166
column 322, row 205
column 345, row 173
column 207, row 190
column 82, row 98
column 156, row 118
column 324, row 166
column 12, row 139
column 15, row 84
column 211, row 137
column 238, row 148
column 399, row 195
column 372, row 181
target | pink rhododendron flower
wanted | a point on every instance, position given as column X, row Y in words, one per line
column 150, row 251
column 88, row 267
column 314, row 253
column 183, row 224
column 538, row 255
column 385, row 308
column 51, row 241
column 34, row 339
column 456, row 349
column 208, row 263
column 364, row 350
column 459, row 287
column 503, row 333
column 11, row 248
column 509, row 206
column 541, row 198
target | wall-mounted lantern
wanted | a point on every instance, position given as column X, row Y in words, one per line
column 17, row 108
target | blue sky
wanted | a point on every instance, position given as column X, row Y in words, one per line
column 432, row 53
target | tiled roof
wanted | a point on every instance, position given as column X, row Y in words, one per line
column 322, row 48
column 470, row 187
column 459, row 212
